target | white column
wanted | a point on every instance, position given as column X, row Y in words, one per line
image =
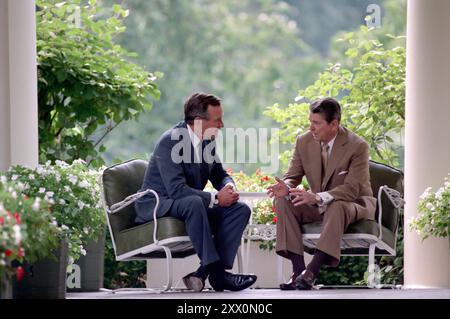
column 5, row 148
column 18, row 84
column 427, row 138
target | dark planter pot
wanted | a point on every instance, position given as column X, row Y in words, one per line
column 45, row 279
column 90, row 268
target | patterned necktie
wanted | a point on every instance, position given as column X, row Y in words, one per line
column 324, row 154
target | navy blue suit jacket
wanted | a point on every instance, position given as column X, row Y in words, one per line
column 172, row 173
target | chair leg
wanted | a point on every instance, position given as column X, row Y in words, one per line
column 169, row 268
column 239, row 260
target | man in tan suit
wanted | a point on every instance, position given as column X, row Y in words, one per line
column 335, row 162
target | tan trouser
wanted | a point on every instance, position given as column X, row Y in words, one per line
column 335, row 219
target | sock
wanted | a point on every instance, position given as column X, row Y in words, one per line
column 214, row 268
column 201, row 271
column 318, row 260
column 298, row 262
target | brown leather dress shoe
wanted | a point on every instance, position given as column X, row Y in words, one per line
column 290, row 285
column 305, row 281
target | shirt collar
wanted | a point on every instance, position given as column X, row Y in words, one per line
column 331, row 143
column 194, row 138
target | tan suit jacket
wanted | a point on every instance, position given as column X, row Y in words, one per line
column 347, row 176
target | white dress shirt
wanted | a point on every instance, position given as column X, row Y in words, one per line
column 197, row 144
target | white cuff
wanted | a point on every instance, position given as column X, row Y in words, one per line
column 211, row 203
column 326, row 198
column 232, row 185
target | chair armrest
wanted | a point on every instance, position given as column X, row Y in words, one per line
column 131, row 199
column 394, row 197
column 114, row 208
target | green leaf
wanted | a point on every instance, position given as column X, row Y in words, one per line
column 352, row 52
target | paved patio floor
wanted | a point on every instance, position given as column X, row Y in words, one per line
column 324, row 293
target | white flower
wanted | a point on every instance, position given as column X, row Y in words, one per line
column 2, row 208
column 83, row 251
column 2, row 262
column 81, row 204
column 14, row 194
column 62, row 201
column 429, row 206
column 49, row 194
column 67, row 189
column 64, row 227
column 61, row 164
column 41, row 190
column 36, row 205
column 3, row 179
column 425, row 193
column 58, row 177
column 86, row 231
column 73, row 179
column 17, row 234
column 39, row 169
column 20, row 186
column 31, row 176
column 79, row 161
column 83, row 184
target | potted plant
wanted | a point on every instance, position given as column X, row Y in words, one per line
column 73, row 194
column 28, row 232
column 10, row 244
column 434, row 212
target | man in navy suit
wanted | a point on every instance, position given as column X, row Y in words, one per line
column 182, row 162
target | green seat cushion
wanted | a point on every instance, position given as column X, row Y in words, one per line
column 142, row 235
column 361, row 227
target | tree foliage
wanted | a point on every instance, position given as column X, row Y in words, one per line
column 372, row 95
column 250, row 53
column 86, row 84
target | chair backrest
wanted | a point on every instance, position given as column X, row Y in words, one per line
column 120, row 181
column 380, row 175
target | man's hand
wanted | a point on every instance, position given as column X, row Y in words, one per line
column 227, row 196
column 278, row 190
column 302, row 197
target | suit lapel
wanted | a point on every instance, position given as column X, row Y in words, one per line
column 316, row 167
column 337, row 152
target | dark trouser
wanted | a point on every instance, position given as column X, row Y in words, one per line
column 215, row 232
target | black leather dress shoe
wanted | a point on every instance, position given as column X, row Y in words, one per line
column 305, row 281
column 290, row 285
column 194, row 281
column 233, row 282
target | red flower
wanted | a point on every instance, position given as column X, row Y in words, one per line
column 8, row 252
column 1, row 220
column 275, row 219
column 17, row 217
column 265, row 178
column 273, row 209
column 19, row 273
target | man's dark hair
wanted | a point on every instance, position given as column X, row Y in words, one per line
column 328, row 107
column 197, row 106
